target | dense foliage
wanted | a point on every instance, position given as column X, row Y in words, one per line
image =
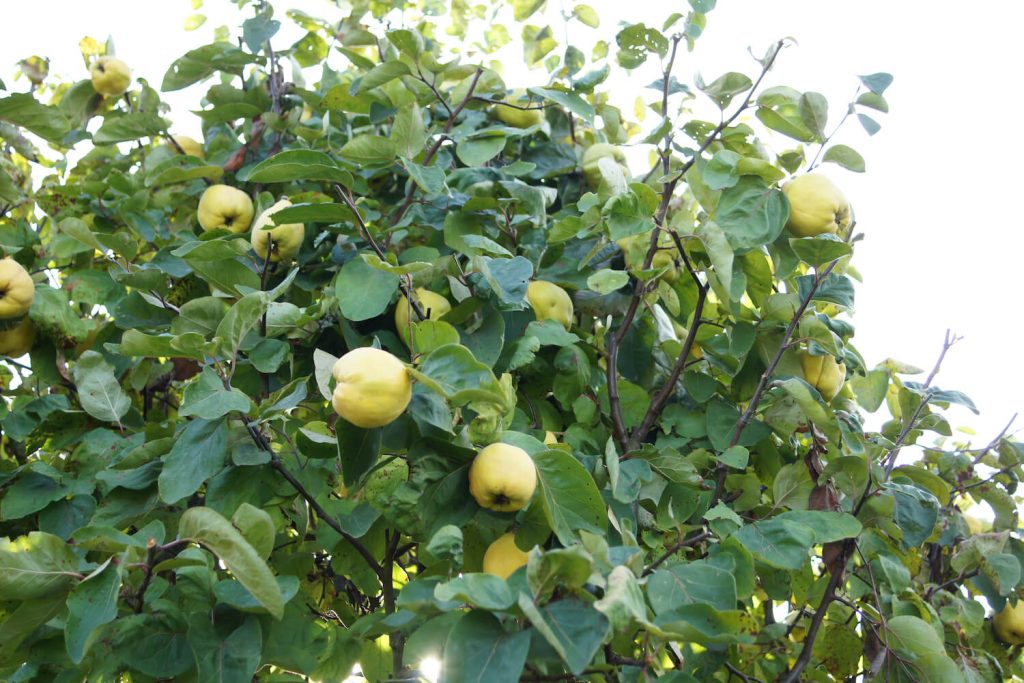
column 180, row 500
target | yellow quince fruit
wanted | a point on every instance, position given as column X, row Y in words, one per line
column 189, row 146
column 816, row 206
column 17, row 290
column 17, row 341
column 110, row 76
column 223, row 206
column 502, row 477
column 283, row 241
column 823, row 373
column 372, row 387
column 592, row 162
column 432, row 304
column 550, row 439
column 550, row 302
column 519, row 118
column 503, row 556
column 1009, row 624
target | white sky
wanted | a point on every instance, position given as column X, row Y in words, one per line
column 944, row 237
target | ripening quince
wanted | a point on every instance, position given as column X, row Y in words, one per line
column 550, row 302
column 591, row 162
column 432, row 304
column 816, row 206
column 110, row 76
column 223, row 206
column 503, row 556
column 502, row 477
column 372, row 387
column 17, row 341
column 16, row 289
column 823, row 373
column 189, row 146
column 519, row 118
column 634, row 249
column 1009, row 624
column 283, row 241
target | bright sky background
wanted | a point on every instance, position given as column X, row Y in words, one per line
column 944, row 237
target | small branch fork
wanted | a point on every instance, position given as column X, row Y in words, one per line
column 623, row 438
column 850, row 544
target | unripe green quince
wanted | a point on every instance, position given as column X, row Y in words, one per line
column 592, row 158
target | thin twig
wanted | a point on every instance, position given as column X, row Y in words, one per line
column 674, row 548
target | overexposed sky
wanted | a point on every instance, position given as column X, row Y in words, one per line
column 944, row 236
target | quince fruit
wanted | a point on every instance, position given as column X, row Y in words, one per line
column 550, row 439
column 519, row 118
column 189, row 146
column 17, row 290
column 634, row 250
column 823, row 373
column 503, row 556
column 110, row 76
column 372, row 387
column 432, row 304
column 17, row 341
column 502, row 477
column 550, row 302
column 816, row 206
column 592, row 162
column 283, row 241
column 223, row 206
column 1009, row 624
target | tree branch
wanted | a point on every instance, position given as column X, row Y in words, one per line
column 676, row 547
column 411, row 192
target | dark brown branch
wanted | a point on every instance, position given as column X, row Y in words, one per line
column 674, row 548
column 762, row 384
column 411, row 192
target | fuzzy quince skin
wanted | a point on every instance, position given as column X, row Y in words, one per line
column 502, row 477
column 519, row 118
column 17, row 290
column 550, row 302
column 432, row 304
column 816, row 206
column 283, row 241
column 824, row 374
column 503, row 556
column 592, row 158
column 1009, row 624
column 110, row 76
column 17, row 341
column 223, row 206
column 373, row 388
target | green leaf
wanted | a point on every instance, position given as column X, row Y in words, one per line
column 725, row 87
column 381, row 74
column 721, row 170
column 570, row 100
column 478, row 151
column 845, row 156
column 430, row 179
column 909, row 635
column 299, row 164
column 820, row 250
column 587, row 15
column 200, row 451
column 207, row 527
column 236, row 595
column 363, row 291
column 29, row 494
column 240, row 319
column 453, row 372
column 206, row 397
column 705, row 625
column 408, row 132
column 203, row 62
column 623, row 602
column 129, row 127
column 917, row 513
column 233, row 658
column 257, row 30
column 569, row 496
column 98, row 389
column 23, row 110
column 92, row 603
column 693, row 582
column 877, row 82
column 814, row 112
column 369, row 149
column 37, row 565
column 787, row 126
column 358, row 450
column 572, row 627
column 478, row 649
column 751, row 213
column 606, row 280
column 479, row 590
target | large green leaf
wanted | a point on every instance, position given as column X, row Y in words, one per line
column 199, row 452
column 37, row 565
column 572, row 627
column 98, row 389
column 207, row 527
column 751, row 213
column 569, row 496
column 24, row 110
column 479, row 649
column 363, row 291
column 92, row 603
column 299, row 164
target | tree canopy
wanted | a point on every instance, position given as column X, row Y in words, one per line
column 399, row 366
